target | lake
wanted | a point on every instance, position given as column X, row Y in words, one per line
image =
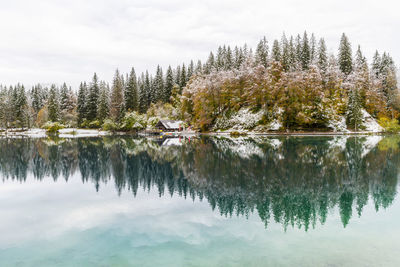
column 200, row 201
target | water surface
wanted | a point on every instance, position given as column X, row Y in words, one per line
column 271, row 201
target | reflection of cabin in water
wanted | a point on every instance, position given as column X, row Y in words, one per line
column 170, row 125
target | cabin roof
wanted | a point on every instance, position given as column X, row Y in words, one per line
column 170, row 124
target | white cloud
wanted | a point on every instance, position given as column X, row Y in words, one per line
column 55, row 41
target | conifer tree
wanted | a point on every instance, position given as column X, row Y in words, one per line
column 322, row 58
column 276, row 51
column 261, row 57
column 37, row 99
column 178, row 75
column 199, row 68
column 360, row 60
column 183, row 76
column 285, row 58
column 142, row 95
column 131, row 92
column 354, row 115
column 104, row 102
column 239, row 57
column 92, row 99
column 147, row 90
column 190, row 70
column 117, row 98
column 376, row 64
column 345, row 56
column 20, row 107
column 159, row 85
column 313, row 49
column 209, row 66
column 220, row 59
column 228, row 58
column 53, row 104
column 305, row 52
column 169, row 84
column 81, row 105
column 292, row 54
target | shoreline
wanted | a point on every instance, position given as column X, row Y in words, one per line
column 77, row 132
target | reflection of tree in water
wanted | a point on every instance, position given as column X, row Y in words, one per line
column 294, row 181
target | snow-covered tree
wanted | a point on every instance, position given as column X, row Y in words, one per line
column 131, row 92
column 53, row 104
column 92, row 99
column 345, row 58
column 117, row 98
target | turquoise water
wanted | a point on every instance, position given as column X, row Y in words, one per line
column 273, row 201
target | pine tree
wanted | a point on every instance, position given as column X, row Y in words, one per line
column 292, row 55
column 103, row 110
column 190, row 71
column 117, row 98
column 376, row 64
column 261, row 57
column 199, row 68
column 53, row 104
column 169, row 84
column 178, row 75
column 66, row 99
column 228, row 58
column 305, row 52
column 159, row 85
column 299, row 50
column 92, row 100
column 220, row 59
column 285, row 58
column 37, row 103
column 81, row 105
column 210, row 64
column 345, row 56
column 354, row 115
column 142, row 95
column 20, row 106
column 360, row 60
column 147, row 90
column 322, row 57
column 276, row 51
column 183, row 76
column 313, row 49
column 131, row 92
column 239, row 57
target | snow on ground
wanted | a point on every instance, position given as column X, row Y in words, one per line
column 370, row 123
column 338, row 125
column 275, row 125
column 244, row 119
column 64, row 133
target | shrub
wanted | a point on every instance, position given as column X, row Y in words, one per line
column 53, row 127
column 133, row 121
column 390, row 125
column 109, row 125
column 94, row 124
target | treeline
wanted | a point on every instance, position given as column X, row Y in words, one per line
column 295, row 82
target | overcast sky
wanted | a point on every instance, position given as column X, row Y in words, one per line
column 50, row 41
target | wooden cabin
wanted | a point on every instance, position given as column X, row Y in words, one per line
column 170, row 126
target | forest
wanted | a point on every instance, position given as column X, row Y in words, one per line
column 289, row 84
